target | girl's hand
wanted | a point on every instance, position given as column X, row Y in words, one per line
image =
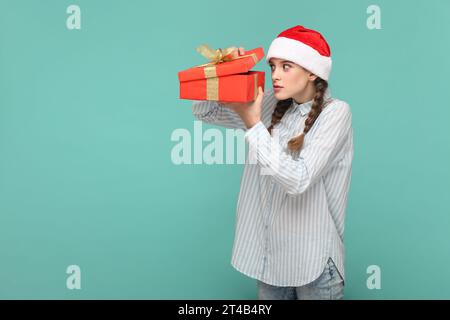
column 250, row 112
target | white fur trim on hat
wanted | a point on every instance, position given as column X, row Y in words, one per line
column 301, row 54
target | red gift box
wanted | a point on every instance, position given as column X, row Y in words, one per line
column 224, row 80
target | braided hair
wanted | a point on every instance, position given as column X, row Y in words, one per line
column 296, row 143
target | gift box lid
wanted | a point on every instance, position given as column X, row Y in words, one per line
column 240, row 65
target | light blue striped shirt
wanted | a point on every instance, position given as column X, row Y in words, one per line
column 289, row 222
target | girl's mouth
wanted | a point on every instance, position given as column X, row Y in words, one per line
column 277, row 88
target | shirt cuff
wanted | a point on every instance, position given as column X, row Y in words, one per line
column 258, row 130
column 202, row 107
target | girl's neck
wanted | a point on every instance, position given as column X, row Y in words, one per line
column 305, row 95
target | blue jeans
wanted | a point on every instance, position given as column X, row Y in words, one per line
column 329, row 286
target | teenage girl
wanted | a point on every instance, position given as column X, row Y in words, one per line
column 293, row 197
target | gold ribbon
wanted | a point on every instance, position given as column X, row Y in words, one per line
column 212, row 88
column 219, row 56
column 255, row 86
column 216, row 57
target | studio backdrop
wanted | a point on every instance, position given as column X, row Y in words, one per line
column 95, row 201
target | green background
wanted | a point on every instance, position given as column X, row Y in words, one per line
column 86, row 118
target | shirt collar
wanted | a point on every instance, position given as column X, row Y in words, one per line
column 305, row 107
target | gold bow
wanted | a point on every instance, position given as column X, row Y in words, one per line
column 219, row 55
column 216, row 57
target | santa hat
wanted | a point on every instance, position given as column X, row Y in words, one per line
column 304, row 47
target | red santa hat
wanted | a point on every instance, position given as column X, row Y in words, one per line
column 304, row 47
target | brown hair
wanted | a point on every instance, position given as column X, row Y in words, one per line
column 296, row 143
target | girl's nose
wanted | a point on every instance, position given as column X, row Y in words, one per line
column 275, row 75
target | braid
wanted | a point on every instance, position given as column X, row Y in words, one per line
column 278, row 113
column 321, row 85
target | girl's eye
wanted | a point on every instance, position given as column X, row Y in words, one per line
column 284, row 67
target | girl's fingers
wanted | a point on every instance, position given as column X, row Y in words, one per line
column 241, row 51
column 260, row 95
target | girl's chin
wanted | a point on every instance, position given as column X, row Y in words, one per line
column 280, row 95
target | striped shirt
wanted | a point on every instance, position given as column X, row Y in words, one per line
column 289, row 222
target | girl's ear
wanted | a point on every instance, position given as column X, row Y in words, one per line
column 312, row 76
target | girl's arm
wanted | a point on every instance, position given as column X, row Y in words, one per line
column 295, row 176
column 216, row 113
